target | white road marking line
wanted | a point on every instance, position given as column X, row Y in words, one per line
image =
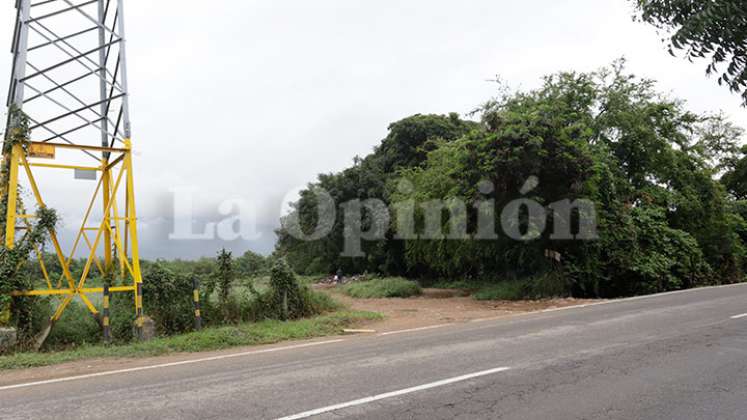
column 163, row 365
column 429, row 327
column 611, row 301
column 206, row 359
column 378, row 397
column 496, row 318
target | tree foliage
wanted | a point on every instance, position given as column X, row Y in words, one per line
column 406, row 146
column 716, row 29
column 649, row 165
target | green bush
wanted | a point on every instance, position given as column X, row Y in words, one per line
column 37, row 313
column 77, row 326
column 286, row 298
column 225, row 275
column 383, row 288
column 167, row 299
column 282, row 297
column 122, row 316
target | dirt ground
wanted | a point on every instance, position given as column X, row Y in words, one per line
column 441, row 306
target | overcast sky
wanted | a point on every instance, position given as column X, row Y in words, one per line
column 252, row 99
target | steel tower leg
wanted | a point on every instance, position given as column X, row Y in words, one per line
column 76, row 99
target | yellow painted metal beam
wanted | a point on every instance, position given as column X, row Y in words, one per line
column 107, row 202
column 52, row 234
column 115, row 162
column 88, row 303
column 81, row 147
column 120, row 253
column 60, row 166
column 89, row 260
column 42, row 292
column 58, row 292
column 95, row 258
column 40, row 257
column 111, row 289
column 83, row 224
column 132, row 214
column 61, row 308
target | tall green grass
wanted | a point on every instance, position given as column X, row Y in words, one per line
column 550, row 285
column 388, row 287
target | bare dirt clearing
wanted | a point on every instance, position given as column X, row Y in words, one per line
column 441, row 306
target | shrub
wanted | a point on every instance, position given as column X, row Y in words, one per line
column 224, row 275
column 77, row 326
column 122, row 316
column 167, row 298
column 251, row 264
column 383, row 288
column 286, row 298
column 36, row 317
column 12, row 274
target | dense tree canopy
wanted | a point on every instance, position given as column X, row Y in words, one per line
column 407, row 145
column 715, row 28
column 650, row 167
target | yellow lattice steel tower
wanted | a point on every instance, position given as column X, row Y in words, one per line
column 69, row 78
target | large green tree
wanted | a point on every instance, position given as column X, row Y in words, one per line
column 648, row 164
column 405, row 146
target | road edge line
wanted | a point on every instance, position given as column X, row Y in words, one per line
column 165, row 365
column 391, row 394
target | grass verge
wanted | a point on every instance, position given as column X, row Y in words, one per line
column 387, row 287
column 550, row 285
column 507, row 290
column 263, row 332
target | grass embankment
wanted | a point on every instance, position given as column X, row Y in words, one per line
column 263, row 332
column 539, row 287
column 387, row 287
column 507, row 290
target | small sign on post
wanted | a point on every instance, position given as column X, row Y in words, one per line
column 42, row 151
column 86, row 174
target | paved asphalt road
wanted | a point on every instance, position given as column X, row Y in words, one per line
column 671, row 356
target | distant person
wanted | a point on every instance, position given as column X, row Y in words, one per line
column 338, row 276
